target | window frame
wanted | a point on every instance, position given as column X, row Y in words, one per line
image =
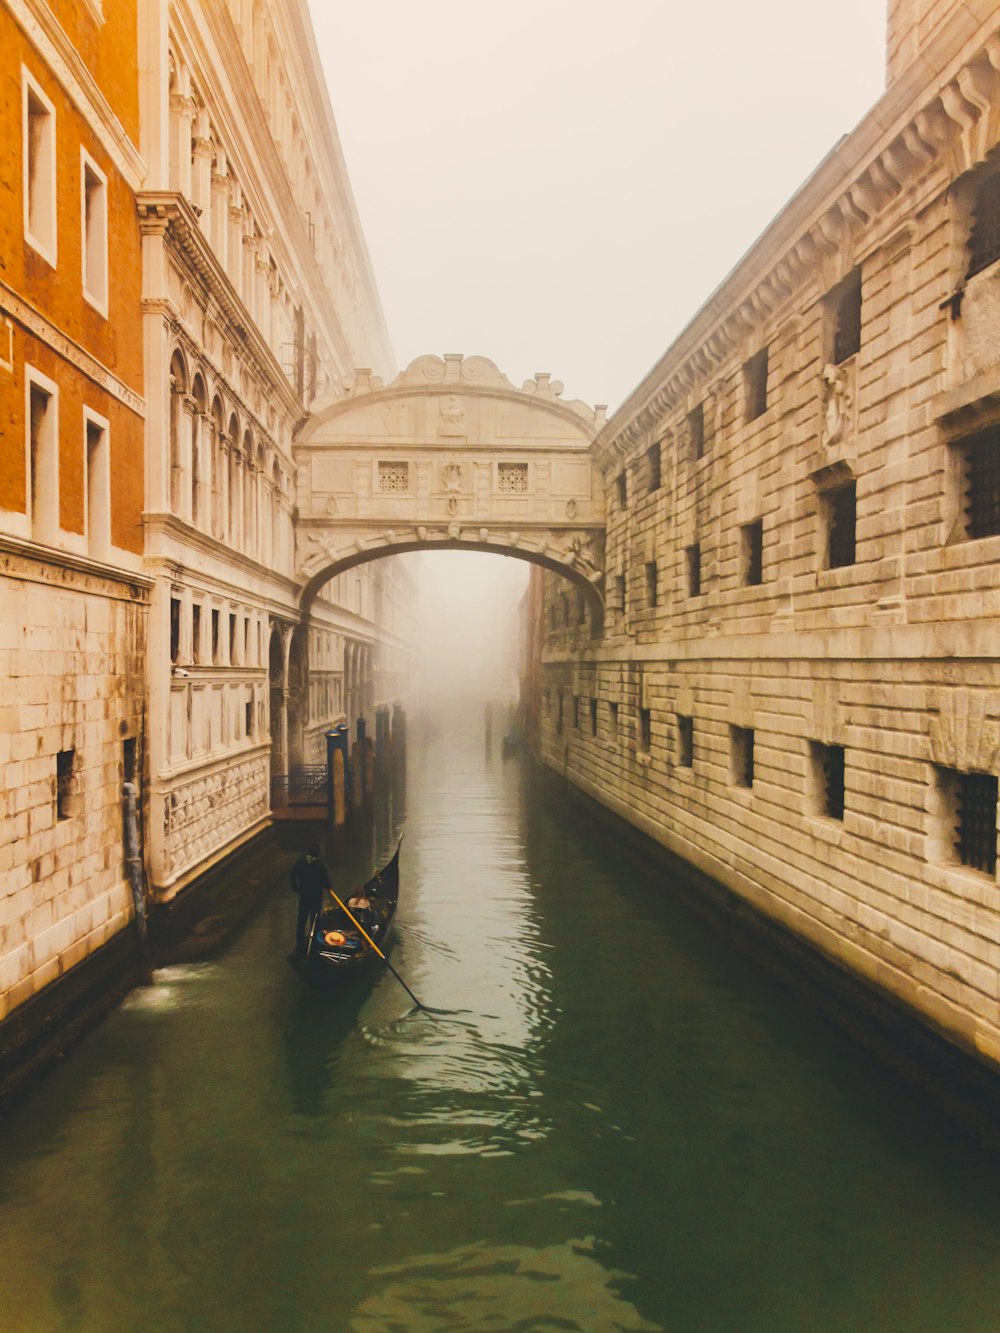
column 42, row 523
column 92, row 295
column 48, row 248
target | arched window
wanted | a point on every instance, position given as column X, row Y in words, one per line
column 178, row 392
column 199, row 463
column 235, row 496
column 218, row 467
column 249, row 497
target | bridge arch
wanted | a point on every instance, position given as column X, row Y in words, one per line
column 450, row 456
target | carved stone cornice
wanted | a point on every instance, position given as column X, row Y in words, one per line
column 166, row 213
column 955, row 118
column 40, row 25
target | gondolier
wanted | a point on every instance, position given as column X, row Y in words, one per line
column 310, row 880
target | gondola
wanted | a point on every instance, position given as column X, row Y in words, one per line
column 337, row 949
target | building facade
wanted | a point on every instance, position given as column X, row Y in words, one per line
column 258, row 298
column 797, row 684
column 73, row 593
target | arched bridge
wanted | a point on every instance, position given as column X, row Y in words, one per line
column 450, row 455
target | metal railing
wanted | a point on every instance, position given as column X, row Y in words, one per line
column 305, row 784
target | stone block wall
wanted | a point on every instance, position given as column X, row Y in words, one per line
column 795, row 686
column 72, row 660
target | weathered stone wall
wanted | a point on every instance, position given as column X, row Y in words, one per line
column 72, row 650
column 735, row 610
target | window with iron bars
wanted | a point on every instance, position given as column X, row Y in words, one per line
column 984, row 236
column 970, row 818
column 841, row 505
column 981, row 483
column 828, row 776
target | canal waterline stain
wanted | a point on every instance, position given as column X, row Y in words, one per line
column 627, row 1124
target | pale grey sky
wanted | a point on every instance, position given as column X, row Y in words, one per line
column 559, row 184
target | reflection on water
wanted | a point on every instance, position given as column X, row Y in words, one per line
column 618, row 1122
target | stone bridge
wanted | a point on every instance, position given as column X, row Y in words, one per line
column 450, row 456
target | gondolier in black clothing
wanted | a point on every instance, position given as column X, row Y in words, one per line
column 309, row 879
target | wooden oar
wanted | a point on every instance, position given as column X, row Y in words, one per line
column 381, row 955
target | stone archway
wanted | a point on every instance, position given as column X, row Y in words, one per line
column 451, row 456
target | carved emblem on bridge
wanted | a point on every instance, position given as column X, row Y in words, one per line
column 450, row 454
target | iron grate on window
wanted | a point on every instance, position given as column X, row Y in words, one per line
column 984, row 238
column 394, row 476
column 512, row 478
column 976, row 829
column 696, row 431
column 843, row 523
column 982, row 483
column 654, row 469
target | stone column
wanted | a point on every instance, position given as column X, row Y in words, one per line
column 182, row 114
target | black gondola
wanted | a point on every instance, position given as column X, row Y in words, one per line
column 339, row 947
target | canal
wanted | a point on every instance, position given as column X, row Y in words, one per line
column 621, row 1122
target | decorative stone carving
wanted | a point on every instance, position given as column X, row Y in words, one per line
column 961, row 736
column 452, row 420
column 838, row 401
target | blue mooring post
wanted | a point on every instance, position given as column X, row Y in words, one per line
column 337, row 739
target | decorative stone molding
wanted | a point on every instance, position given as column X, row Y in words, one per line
column 201, row 815
column 960, row 122
column 961, row 736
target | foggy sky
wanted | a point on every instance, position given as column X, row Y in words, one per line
column 559, row 184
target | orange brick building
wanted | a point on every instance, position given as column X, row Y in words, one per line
column 72, row 591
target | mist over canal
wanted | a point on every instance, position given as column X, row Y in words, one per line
column 624, row 1123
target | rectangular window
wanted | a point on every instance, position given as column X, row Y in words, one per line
column 65, row 787
column 394, row 477
column 593, row 717
column 196, row 633
column 621, row 489
column 42, row 456
column 752, row 553
column 576, row 712
column 841, row 507
column 94, row 214
column 692, row 557
column 828, row 779
column 741, row 755
column 843, row 319
column 128, row 760
column 645, row 740
column 232, row 639
column 984, row 236
column 651, row 582
column 246, row 641
column 755, row 386
column 980, row 461
column 969, row 818
column 39, row 168
column 98, row 473
column 613, row 721
column 559, row 718
column 248, row 721
column 685, row 741
column 618, row 593
column 512, row 478
column 654, row 473
column 696, row 431
column 215, row 637
column 175, row 630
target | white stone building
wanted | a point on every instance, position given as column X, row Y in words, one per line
column 797, row 684
column 258, row 298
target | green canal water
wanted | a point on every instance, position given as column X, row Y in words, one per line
column 623, row 1124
